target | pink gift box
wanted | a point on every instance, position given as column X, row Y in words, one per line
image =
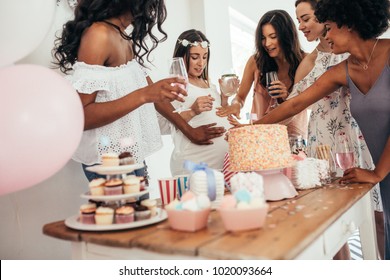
column 243, row 219
column 186, row 220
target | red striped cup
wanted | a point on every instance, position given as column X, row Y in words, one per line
column 168, row 189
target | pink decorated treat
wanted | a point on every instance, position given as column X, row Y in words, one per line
column 259, row 147
column 124, row 214
column 113, row 187
column 187, row 196
column 87, row 213
column 228, row 201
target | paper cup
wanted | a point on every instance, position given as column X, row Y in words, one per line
column 182, row 184
column 168, row 190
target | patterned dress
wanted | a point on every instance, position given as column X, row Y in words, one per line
column 331, row 116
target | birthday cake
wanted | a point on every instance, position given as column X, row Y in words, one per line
column 259, row 147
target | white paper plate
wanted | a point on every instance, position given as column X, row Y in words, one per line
column 114, row 170
column 88, row 195
column 73, row 222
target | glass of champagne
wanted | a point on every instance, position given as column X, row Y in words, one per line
column 229, row 83
column 345, row 158
column 177, row 68
column 269, row 78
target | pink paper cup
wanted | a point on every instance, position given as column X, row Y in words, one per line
column 168, row 190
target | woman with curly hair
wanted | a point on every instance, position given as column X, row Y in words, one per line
column 330, row 116
column 353, row 26
column 277, row 49
column 107, row 71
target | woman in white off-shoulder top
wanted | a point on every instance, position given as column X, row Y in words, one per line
column 118, row 97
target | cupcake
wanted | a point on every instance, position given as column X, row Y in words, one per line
column 124, row 214
column 151, row 204
column 142, row 213
column 96, row 186
column 87, row 213
column 113, row 187
column 131, row 184
column 110, row 159
column 126, row 158
column 104, row 216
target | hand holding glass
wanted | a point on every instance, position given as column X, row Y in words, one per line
column 270, row 77
column 344, row 152
column 177, row 68
column 229, row 84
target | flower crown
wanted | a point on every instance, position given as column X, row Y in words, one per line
column 185, row 43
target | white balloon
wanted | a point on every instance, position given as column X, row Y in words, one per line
column 23, row 25
column 42, row 55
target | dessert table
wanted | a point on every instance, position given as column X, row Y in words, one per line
column 313, row 225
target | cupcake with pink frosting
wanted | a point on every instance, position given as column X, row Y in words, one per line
column 124, row 214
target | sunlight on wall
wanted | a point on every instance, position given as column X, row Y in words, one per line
column 242, row 30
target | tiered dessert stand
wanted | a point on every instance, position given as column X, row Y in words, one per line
column 121, row 170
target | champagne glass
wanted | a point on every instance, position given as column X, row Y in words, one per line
column 269, row 78
column 229, row 83
column 345, row 158
column 177, row 68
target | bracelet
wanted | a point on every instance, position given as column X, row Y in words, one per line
column 235, row 101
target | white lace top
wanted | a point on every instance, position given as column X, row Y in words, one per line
column 137, row 132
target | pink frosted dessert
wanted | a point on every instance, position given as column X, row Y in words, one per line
column 124, row 214
column 113, row 187
column 87, row 213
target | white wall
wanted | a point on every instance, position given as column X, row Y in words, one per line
column 23, row 214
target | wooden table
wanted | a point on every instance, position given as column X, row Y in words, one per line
column 313, row 225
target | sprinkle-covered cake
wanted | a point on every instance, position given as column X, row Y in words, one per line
column 259, row 147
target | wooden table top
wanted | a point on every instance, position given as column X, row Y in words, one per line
column 291, row 225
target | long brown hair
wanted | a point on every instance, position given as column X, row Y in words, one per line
column 288, row 39
column 191, row 36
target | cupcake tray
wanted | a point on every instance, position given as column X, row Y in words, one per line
column 74, row 223
column 118, row 197
column 114, row 170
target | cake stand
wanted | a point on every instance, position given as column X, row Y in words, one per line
column 276, row 185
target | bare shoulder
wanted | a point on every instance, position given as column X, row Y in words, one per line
column 337, row 74
column 305, row 66
column 95, row 44
column 386, row 45
column 251, row 63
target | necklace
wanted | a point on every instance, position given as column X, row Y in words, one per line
column 123, row 35
column 365, row 66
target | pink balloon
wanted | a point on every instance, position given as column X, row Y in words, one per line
column 41, row 123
